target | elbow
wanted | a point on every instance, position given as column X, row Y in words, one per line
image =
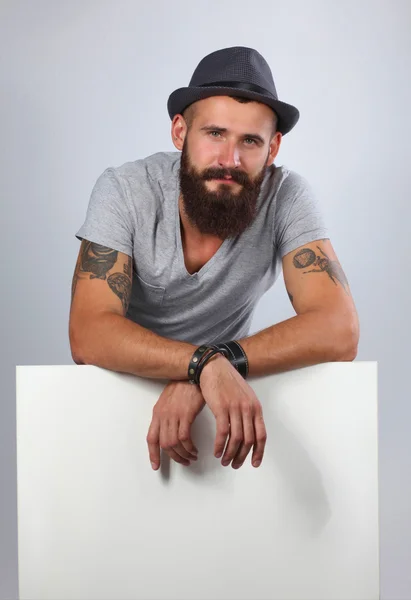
column 83, row 346
column 76, row 358
column 75, row 346
column 85, row 341
column 349, row 355
column 351, row 339
column 76, row 354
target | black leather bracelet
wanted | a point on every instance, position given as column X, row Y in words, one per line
column 236, row 356
column 231, row 350
column 195, row 359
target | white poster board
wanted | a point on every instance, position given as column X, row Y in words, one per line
column 95, row 522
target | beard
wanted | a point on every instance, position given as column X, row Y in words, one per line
column 222, row 213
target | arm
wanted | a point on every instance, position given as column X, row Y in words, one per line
column 326, row 327
column 101, row 335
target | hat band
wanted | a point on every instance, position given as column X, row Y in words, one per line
column 240, row 85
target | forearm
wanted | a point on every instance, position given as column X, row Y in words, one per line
column 113, row 342
column 304, row 340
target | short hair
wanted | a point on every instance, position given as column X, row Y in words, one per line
column 189, row 112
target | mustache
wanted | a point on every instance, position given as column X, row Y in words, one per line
column 237, row 176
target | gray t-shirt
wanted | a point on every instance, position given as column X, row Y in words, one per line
column 134, row 209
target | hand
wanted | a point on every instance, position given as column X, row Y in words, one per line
column 173, row 414
column 237, row 410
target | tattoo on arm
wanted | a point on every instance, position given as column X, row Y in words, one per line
column 121, row 285
column 307, row 257
column 98, row 260
column 127, row 267
column 75, row 279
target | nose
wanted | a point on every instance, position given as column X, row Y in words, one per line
column 229, row 157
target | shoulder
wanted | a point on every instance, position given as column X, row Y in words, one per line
column 156, row 167
column 291, row 183
column 281, row 183
column 292, row 190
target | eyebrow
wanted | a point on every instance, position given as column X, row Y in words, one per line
column 254, row 136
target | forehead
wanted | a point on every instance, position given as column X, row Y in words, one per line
column 231, row 114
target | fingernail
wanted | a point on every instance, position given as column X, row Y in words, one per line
column 218, row 454
column 225, row 463
column 256, row 463
column 154, row 465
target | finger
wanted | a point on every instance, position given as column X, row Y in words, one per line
column 248, row 442
column 261, row 439
column 174, row 442
column 175, row 456
column 223, row 430
column 184, row 436
column 183, row 452
column 165, row 437
column 153, row 442
column 164, row 434
column 236, row 437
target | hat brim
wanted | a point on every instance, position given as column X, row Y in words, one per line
column 180, row 99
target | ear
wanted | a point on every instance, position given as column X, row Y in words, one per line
column 274, row 148
column 178, row 131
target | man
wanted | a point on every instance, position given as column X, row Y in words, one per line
column 178, row 248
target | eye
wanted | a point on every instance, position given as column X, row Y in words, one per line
column 250, row 140
column 217, row 132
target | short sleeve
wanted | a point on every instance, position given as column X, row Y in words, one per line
column 108, row 220
column 299, row 219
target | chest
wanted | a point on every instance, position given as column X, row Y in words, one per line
column 196, row 256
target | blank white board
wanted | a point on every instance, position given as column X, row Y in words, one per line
column 95, row 522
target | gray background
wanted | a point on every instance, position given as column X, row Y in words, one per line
column 85, row 85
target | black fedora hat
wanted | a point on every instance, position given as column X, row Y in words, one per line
column 236, row 71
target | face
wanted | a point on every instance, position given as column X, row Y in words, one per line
column 225, row 154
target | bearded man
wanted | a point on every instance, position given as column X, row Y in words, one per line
column 178, row 248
